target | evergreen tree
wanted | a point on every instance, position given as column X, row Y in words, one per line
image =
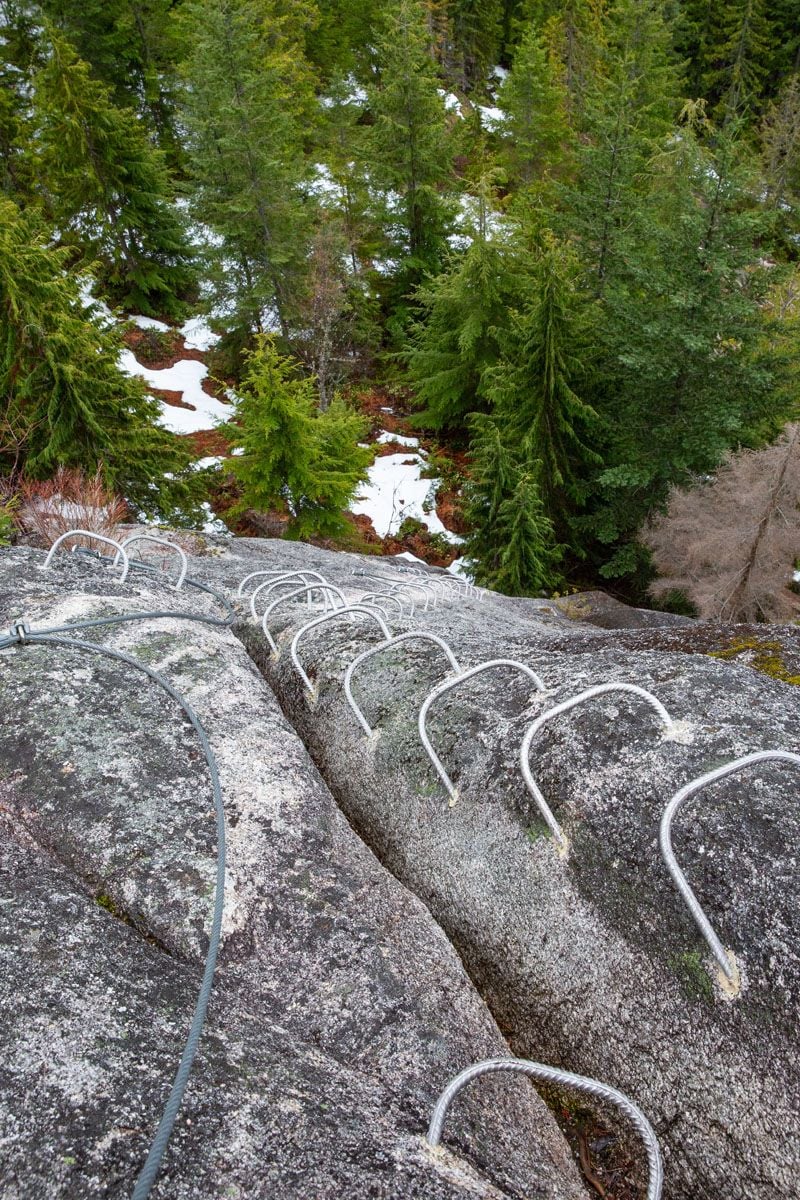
column 294, row 455
column 474, row 31
column 737, row 55
column 63, row 398
column 545, row 357
column 694, row 376
column 574, row 35
column 131, row 47
column 781, row 142
column 529, row 555
column 494, row 474
column 630, row 108
column 106, row 187
column 408, row 148
column 536, row 133
column 455, row 337
column 248, row 102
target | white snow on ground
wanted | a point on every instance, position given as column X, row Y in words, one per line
column 185, row 377
column 394, row 491
column 387, row 438
column 201, row 463
column 451, row 101
column 499, row 73
column 148, row 323
column 410, row 557
column 491, row 118
column 99, row 307
column 197, row 334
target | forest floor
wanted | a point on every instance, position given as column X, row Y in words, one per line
column 402, row 509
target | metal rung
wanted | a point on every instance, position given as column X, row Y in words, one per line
column 403, row 637
column 340, row 612
column 305, row 590
column 448, row 686
column 157, row 541
column 98, row 537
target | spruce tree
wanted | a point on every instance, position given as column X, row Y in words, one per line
column 546, row 356
column 408, row 150
column 63, row 398
column 460, row 315
column 781, row 143
column 527, row 563
column 474, row 31
column 536, row 133
column 294, row 455
column 737, row 53
column 131, row 47
column 630, row 108
column 247, row 104
column 106, row 187
column 494, row 474
column 695, row 374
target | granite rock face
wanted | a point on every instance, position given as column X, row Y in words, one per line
column 339, row 1010
column 591, row 962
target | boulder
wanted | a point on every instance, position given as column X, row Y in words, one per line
column 339, row 1009
column 590, row 961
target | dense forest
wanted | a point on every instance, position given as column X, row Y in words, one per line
column 566, row 232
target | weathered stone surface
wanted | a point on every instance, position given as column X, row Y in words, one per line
column 592, row 963
column 339, row 1011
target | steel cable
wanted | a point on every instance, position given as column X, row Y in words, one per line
column 22, row 636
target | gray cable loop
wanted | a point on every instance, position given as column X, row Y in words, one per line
column 340, row 612
column 98, row 537
column 665, row 840
column 447, row 686
column 306, row 590
column 525, row 749
column 592, row 1087
column 287, row 579
column 365, row 654
column 158, row 541
column 155, row 1154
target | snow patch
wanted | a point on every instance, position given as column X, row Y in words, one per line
column 394, row 492
column 198, row 334
column 387, row 438
column 148, row 323
column 185, row 377
column 491, row 118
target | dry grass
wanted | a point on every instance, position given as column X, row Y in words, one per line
column 70, row 500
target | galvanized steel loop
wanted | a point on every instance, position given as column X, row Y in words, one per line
column 340, row 612
column 98, row 537
column 149, row 537
column 365, row 654
column 581, row 1083
column 305, row 590
column 449, row 684
column 589, row 694
column 665, row 841
column 284, row 579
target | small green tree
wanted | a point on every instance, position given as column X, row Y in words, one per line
column 493, row 477
column 537, row 135
column 408, row 150
column 63, row 399
column 529, row 556
column 106, row 187
column 460, row 315
column 293, row 454
column 546, row 355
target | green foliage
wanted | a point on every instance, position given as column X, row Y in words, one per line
column 7, row 525
column 106, row 186
column 546, row 355
column 130, row 46
column 247, row 103
column 684, row 328
column 407, row 150
column 63, row 399
column 736, row 52
column 473, row 43
column 294, row 455
column 454, row 339
column 529, row 555
column 537, row 134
